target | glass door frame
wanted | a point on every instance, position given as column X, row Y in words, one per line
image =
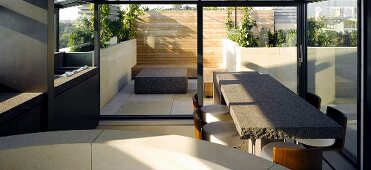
column 301, row 6
column 364, row 18
column 355, row 159
column 200, row 5
column 301, row 35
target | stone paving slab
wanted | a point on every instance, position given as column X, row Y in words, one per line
column 146, row 108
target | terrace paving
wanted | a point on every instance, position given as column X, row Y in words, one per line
column 126, row 102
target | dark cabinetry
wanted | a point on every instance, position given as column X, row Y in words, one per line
column 27, row 122
column 78, row 107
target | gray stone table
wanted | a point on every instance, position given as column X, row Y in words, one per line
column 220, row 78
column 262, row 108
column 223, row 77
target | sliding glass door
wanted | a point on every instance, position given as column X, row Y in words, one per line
column 251, row 38
column 332, row 59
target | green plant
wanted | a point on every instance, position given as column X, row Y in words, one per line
column 353, row 38
column 177, row 6
column 246, row 36
column 291, row 38
column 63, row 40
column 319, row 36
column 106, row 31
column 212, row 8
column 350, row 24
column 124, row 28
column 81, row 38
column 316, row 35
column 232, row 33
column 129, row 18
column 243, row 35
column 276, row 39
column 229, row 23
column 263, row 37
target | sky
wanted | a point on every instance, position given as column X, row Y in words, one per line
column 69, row 13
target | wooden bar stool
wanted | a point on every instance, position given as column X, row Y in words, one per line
column 214, row 123
column 298, row 158
column 221, row 132
column 267, row 150
column 198, row 123
column 212, row 113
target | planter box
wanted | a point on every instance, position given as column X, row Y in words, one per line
column 116, row 63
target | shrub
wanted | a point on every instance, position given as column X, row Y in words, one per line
column 129, row 18
column 243, row 35
column 319, row 37
column 276, row 39
column 82, row 36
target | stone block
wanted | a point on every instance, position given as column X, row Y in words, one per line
column 161, row 81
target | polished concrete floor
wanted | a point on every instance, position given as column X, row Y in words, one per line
column 126, row 102
column 185, row 128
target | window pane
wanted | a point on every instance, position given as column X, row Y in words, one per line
column 150, row 41
column 261, row 39
column 332, row 59
column 76, row 29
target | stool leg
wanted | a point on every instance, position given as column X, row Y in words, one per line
column 253, row 145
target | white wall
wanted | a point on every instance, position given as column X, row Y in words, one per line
column 332, row 71
column 115, row 72
column 280, row 63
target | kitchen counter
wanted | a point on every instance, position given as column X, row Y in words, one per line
column 62, row 84
column 13, row 104
column 263, row 108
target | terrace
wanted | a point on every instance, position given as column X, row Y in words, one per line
column 135, row 66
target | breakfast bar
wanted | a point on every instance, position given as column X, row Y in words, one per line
column 263, row 108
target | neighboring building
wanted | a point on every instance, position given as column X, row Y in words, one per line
column 338, row 24
column 336, row 13
column 285, row 18
column 114, row 11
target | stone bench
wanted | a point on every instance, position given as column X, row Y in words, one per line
column 161, row 81
column 191, row 68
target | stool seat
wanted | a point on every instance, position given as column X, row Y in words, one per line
column 215, row 112
column 221, row 132
column 267, row 150
column 317, row 142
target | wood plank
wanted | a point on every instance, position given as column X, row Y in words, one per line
column 170, row 37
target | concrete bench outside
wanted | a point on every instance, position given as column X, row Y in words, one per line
column 161, row 81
